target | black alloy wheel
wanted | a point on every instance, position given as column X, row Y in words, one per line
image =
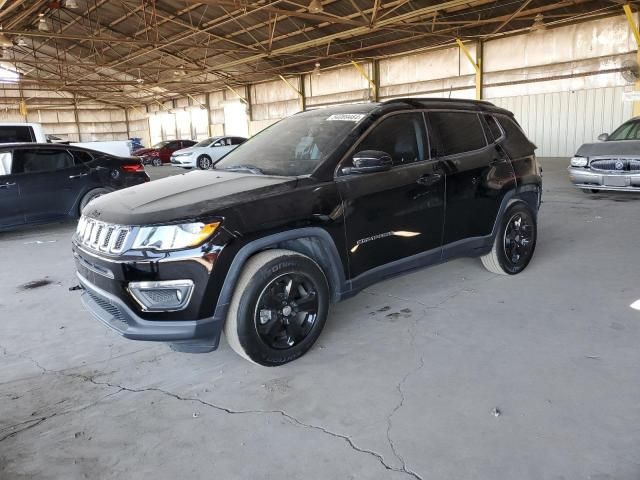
column 286, row 311
column 518, row 242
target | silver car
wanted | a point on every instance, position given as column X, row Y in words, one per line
column 204, row 154
column 611, row 164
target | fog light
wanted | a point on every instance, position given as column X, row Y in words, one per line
column 164, row 296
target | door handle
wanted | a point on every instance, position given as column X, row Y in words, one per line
column 497, row 161
column 78, row 176
column 429, row 179
column 7, row 185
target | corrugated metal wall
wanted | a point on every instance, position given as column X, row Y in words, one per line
column 558, row 123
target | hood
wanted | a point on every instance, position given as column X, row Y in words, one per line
column 143, row 151
column 185, row 197
column 184, row 150
column 621, row 147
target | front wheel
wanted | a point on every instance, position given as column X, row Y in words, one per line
column 91, row 195
column 204, row 162
column 279, row 308
column 515, row 242
column 156, row 162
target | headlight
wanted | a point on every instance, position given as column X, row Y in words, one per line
column 579, row 162
column 173, row 237
column 185, row 154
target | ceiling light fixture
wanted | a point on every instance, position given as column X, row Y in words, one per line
column 315, row 6
column 72, row 4
column 43, row 26
column 21, row 42
column 316, row 70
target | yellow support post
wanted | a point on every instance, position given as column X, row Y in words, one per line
column 372, row 84
column 237, row 94
column 476, row 63
column 636, row 34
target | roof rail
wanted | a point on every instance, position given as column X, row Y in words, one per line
column 421, row 102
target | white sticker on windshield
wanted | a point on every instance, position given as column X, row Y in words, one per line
column 346, row 117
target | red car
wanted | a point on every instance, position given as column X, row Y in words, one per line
column 161, row 152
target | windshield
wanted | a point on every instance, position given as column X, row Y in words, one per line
column 627, row 131
column 207, row 142
column 160, row 144
column 293, row 146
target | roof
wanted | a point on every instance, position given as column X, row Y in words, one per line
column 135, row 52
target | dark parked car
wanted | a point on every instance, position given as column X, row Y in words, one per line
column 161, row 152
column 612, row 164
column 47, row 182
column 306, row 213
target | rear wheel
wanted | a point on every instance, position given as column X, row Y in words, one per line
column 278, row 309
column 204, row 162
column 515, row 242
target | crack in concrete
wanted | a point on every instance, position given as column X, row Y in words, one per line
column 395, row 410
column 34, row 423
column 348, row 440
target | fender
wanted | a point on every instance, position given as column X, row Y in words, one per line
column 311, row 241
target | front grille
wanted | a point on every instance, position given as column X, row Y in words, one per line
column 101, row 236
column 614, row 165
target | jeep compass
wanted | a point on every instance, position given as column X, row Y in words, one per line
column 307, row 213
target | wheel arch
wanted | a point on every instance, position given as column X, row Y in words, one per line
column 312, row 242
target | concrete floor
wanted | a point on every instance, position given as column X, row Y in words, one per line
column 403, row 383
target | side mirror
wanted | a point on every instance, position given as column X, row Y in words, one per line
column 603, row 137
column 370, row 161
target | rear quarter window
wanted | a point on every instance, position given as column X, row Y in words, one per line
column 16, row 134
column 456, row 132
column 516, row 142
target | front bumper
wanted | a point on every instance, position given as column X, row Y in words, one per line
column 185, row 335
column 588, row 179
column 182, row 161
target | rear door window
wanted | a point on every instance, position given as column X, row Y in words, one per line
column 456, row 132
column 16, row 134
column 237, row 141
column 81, row 157
column 44, row 160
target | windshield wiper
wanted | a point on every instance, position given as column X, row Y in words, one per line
column 244, row 168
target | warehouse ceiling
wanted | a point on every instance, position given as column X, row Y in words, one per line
column 133, row 52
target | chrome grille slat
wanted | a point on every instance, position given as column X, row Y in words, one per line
column 102, row 236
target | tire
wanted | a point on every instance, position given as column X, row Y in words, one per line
column 513, row 246
column 91, row 195
column 204, row 162
column 156, row 162
column 590, row 190
column 266, row 336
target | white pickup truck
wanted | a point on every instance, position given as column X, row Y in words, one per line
column 33, row 133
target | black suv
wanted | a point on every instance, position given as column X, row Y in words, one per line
column 307, row 213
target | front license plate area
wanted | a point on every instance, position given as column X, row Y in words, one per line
column 615, row 181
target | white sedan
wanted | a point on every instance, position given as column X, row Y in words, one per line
column 204, row 154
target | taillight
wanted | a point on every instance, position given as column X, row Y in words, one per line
column 133, row 167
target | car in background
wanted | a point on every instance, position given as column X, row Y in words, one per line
column 161, row 152
column 47, row 182
column 612, row 164
column 22, row 132
column 204, row 154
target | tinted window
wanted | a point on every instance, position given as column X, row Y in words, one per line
column 30, row 161
column 516, row 142
column 82, row 156
column 206, row 142
column 401, row 136
column 494, row 128
column 457, row 132
column 237, row 140
column 5, row 163
column 15, row 134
